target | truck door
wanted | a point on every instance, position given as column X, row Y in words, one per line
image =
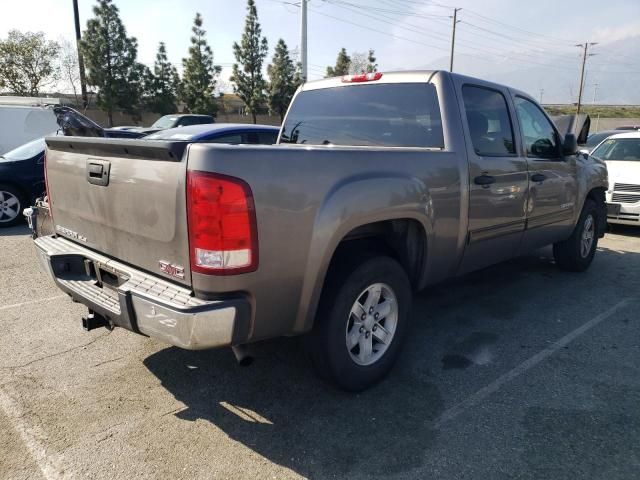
column 498, row 179
column 553, row 186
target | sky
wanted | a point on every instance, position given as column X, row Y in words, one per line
column 495, row 38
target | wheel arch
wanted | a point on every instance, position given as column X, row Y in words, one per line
column 403, row 238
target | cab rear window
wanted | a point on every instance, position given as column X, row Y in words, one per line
column 384, row 115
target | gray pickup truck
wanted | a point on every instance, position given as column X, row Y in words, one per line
column 380, row 185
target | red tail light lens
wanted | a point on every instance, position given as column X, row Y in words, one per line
column 362, row 77
column 46, row 185
column 223, row 237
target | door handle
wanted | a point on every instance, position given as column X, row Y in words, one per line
column 484, row 180
column 98, row 171
column 538, row 177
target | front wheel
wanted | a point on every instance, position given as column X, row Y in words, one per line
column 576, row 253
column 361, row 322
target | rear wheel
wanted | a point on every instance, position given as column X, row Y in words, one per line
column 576, row 253
column 361, row 323
column 11, row 205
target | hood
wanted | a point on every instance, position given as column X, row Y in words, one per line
column 623, row 172
column 578, row 124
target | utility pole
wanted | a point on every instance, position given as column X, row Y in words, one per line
column 83, row 80
column 585, row 47
column 453, row 36
column 541, row 93
column 303, row 39
column 595, row 91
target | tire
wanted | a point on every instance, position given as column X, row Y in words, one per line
column 12, row 202
column 576, row 253
column 370, row 357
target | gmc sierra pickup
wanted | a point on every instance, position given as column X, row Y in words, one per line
column 380, row 185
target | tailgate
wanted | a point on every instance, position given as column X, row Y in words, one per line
column 123, row 198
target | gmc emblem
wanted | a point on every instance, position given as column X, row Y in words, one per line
column 171, row 270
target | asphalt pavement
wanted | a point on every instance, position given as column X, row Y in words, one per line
column 516, row 371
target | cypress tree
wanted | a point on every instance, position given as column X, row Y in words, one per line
column 343, row 63
column 284, row 80
column 163, row 84
column 200, row 74
column 110, row 59
column 249, row 84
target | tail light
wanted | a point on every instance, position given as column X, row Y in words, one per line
column 362, row 77
column 223, row 237
column 46, row 185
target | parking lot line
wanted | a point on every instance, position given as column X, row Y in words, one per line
column 494, row 386
column 16, row 305
column 48, row 463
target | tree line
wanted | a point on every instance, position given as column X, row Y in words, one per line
column 29, row 62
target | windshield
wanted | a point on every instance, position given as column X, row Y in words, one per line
column 165, row 122
column 619, row 149
column 596, row 138
column 26, row 151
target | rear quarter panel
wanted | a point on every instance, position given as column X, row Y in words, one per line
column 308, row 198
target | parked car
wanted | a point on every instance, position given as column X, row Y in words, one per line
column 232, row 133
column 22, row 123
column 166, row 122
column 21, row 180
column 621, row 153
column 596, row 138
column 380, row 185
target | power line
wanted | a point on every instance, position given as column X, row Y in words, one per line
column 444, row 39
column 376, row 30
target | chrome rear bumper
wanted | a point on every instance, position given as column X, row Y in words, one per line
column 133, row 299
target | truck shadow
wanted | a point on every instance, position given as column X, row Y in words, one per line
column 279, row 409
column 20, row 229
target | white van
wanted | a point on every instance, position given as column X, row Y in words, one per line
column 20, row 124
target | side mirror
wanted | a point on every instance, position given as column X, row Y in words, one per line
column 570, row 145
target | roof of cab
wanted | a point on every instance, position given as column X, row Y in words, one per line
column 418, row 76
column 407, row 76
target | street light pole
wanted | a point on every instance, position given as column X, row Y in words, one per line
column 83, row 80
column 303, row 39
column 585, row 46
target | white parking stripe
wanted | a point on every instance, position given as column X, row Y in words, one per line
column 17, row 305
column 32, row 437
column 494, row 386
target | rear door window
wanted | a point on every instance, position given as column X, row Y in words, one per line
column 385, row 115
column 234, row 139
column 489, row 121
column 261, row 138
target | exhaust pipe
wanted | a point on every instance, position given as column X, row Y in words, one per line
column 243, row 355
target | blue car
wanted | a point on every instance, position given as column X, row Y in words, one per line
column 233, row 133
column 21, row 180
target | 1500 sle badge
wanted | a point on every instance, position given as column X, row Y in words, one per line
column 70, row 234
column 172, row 270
